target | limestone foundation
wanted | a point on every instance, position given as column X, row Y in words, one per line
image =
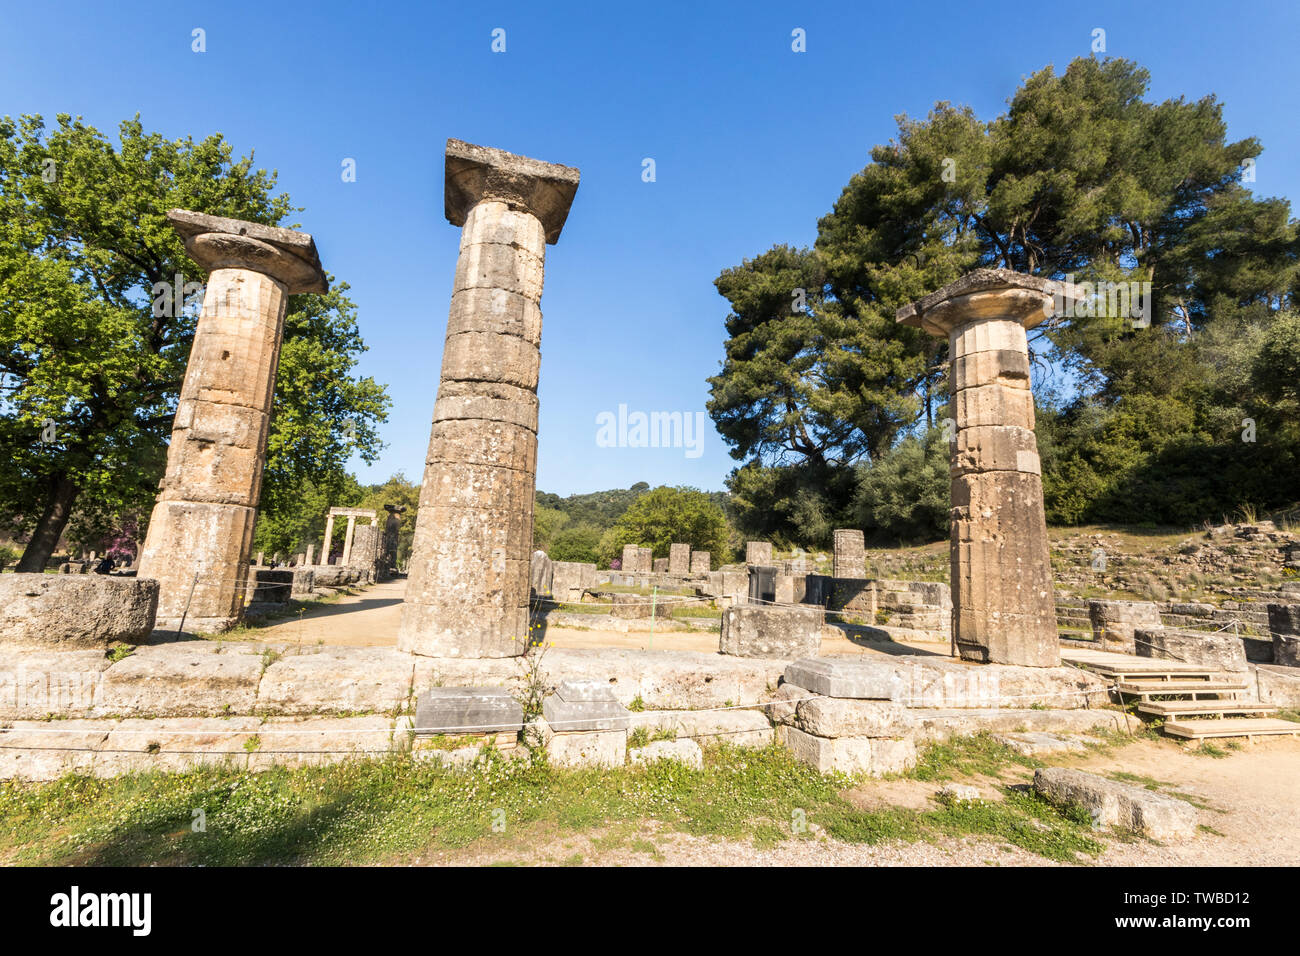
column 201, row 531
column 467, row 592
column 1003, row 603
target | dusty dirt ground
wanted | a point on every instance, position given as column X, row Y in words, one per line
column 1251, row 797
column 370, row 619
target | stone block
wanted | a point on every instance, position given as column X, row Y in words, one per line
column 584, row 706
column 838, row 717
column 1284, row 618
column 331, row 679
column 1286, row 650
column 701, row 562
column 75, row 611
column 679, row 559
column 758, row 552
column 274, row 586
column 310, row 741
column 775, row 633
column 736, row 728
column 1218, row 649
column 461, row 710
column 855, row 679
column 596, row 748
column 1036, row 743
column 1122, row 805
column 685, row 752
column 874, row 757
column 188, row 678
column 1116, row 622
column 849, row 555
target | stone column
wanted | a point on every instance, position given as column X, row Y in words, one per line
column 201, row 531
column 329, row 540
column 849, row 559
column 347, row 539
column 1003, row 606
column 467, row 593
column 679, row 559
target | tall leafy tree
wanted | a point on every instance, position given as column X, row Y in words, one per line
column 92, row 358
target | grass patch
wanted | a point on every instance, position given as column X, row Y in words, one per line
column 395, row 809
column 967, row 756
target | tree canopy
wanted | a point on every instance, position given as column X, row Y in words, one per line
column 92, row 355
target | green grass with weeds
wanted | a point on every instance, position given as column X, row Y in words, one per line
column 375, row 811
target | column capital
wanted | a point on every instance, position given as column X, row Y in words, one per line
column 215, row 242
column 475, row 173
column 988, row 294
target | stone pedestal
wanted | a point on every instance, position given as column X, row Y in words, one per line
column 1003, row 603
column 467, row 592
column 758, row 552
column 201, row 531
column 701, row 562
column 850, row 555
column 679, row 559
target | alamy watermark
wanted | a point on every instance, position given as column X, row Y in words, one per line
column 624, row 429
column 1103, row 300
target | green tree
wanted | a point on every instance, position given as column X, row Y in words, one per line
column 664, row 516
column 91, row 371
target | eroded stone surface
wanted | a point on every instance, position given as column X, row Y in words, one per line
column 686, row 752
column 765, row 631
column 75, row 611
column 1121, row 805
column 468, row 590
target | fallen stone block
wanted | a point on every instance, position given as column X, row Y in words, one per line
column 852, row 678
column 1114, row 623
column 685, row 752
column 75, row 611
column 785, row 700
column 874, row 756
column 958, row 793
column 1121, row 805
column 776, row 633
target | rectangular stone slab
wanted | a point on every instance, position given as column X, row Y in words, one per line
column 584, row 715
column 453, row 710
column 859, row 680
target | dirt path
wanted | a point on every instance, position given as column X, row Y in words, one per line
column 370, row 619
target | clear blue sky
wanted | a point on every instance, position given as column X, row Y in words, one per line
column 752, row 143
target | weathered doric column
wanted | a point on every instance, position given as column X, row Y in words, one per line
column 1003, row 606
column 467, row 593
column 201, row 531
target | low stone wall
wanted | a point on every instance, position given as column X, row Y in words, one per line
column 1220, row 650
column 75, row 611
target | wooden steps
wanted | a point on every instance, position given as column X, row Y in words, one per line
column 1230, row 727
column 1173, row 709
column 1201, row 703
column 1146, row 688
